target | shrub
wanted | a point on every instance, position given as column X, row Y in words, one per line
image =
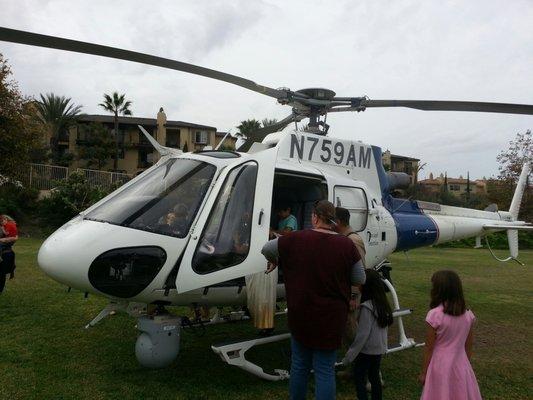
column 67, row 200
column 17, row 201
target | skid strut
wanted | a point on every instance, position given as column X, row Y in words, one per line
column 133, row 309
column 234, row 354
column 397, row 313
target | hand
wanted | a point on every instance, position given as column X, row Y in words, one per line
column 422, row 378
column 270, row 267
column 353, row 304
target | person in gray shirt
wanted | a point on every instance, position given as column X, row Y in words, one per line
column 370, row 341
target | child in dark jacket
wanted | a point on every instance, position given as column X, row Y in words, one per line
column 370, row 342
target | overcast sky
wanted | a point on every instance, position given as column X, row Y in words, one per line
column 434, row 50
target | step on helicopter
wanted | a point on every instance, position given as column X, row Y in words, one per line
column 220, row 206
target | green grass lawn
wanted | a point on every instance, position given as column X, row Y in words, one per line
column 46, row 354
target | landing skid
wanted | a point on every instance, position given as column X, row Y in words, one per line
column 234, row 352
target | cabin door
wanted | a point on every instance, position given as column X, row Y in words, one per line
column 227, row 240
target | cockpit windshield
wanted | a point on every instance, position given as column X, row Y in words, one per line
column 164, row 200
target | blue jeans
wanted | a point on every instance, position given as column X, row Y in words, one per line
column 322, row 362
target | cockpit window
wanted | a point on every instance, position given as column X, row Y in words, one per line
column 165, row 200
column 225, row 241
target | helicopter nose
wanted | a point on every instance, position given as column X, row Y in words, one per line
column 107, row 259
column 61, row 257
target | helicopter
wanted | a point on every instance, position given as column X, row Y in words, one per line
column 221, row 206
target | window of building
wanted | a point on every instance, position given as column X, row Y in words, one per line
column 173, row 138
column 455, row 188
column 163, row 201
column 81, row 133
column 225, row 241
column 201, row 137
column 121, row 135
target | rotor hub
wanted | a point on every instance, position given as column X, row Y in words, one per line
column 318, row 93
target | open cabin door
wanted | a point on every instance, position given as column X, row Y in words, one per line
column 227, row 240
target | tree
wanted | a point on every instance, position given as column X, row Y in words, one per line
column 268, row 121
column 20, row 134
column 247, row 127
column 511, row 160
column 99, row 147
column 57, row 114
column 117, row 105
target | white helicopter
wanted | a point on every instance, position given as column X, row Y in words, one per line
column 221, row 204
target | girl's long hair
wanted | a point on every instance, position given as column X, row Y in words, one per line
column 447, row 290
column 374, row 290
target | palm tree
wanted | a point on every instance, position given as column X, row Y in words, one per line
column 247, row 127
column 57, row 114
column 268, row 121
column 117, row 105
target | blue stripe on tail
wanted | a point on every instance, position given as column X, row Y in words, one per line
column 414, row 228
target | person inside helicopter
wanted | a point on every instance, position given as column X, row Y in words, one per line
column 167, row 223
column 241, row 236
column 181, row 211
column 175, row 187
column 225, row 240
column 287, row 222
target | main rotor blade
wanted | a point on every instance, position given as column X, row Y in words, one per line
column 52, row 42
column 438, row 105
column 260, row 134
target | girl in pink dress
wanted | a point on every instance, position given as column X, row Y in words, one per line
column 447, row 373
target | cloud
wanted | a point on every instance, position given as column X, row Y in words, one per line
column 446, row 50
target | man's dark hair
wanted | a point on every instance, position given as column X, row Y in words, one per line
column 283, row 207
column 343, row 215
column 374, row 290
column 447, row 290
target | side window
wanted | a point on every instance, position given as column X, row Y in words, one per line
column 225, row 240
column 354, row 200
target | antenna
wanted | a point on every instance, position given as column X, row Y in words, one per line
column 223, row 139
column 162, row 150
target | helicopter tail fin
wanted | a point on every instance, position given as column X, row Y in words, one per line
column 162, row 150
column 511, row 225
